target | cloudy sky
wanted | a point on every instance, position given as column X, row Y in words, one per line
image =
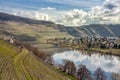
column 66, row 12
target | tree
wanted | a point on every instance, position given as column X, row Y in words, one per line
column 83, row 73
column 99, row 74
column 49, row 60
column 41, row 54
column 69, row 67
column 115, row 76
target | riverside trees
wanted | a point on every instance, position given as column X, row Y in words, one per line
column 69, row 67
column 82, row 73
column 99, row 74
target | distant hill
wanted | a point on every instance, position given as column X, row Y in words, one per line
column 9, row 17
column 26, row 29
column 101, row 30
column 54, row 30
column 93, row 30
column 23, row 65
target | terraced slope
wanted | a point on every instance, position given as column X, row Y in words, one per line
column 92, row 30
column 23, row 65
column 31, row 32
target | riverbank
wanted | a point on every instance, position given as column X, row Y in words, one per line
column 51, row 49
column 106, row 51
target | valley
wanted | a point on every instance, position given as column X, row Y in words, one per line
column 25, row 63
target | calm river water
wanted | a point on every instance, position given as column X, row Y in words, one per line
column 92, row 61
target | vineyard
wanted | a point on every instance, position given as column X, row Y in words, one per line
column 23, row 65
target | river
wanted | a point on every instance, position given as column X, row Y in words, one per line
column 92, row 60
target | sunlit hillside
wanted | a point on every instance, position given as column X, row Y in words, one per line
column 23, row 65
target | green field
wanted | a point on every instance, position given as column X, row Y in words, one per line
column 23, row 65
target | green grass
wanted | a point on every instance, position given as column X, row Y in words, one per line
column 62, row 73
column 15, row 65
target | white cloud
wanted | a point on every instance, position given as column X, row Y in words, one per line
column 107, row 13
column 48, row 8
column 32, row 14
column 26, row 13
column 73, row 17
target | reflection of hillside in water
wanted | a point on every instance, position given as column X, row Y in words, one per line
column 108, row 63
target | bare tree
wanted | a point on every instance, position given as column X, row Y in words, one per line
column 69, row 67
column 115, row 76
column 49, row 60
column 83, row 73
column 41, row 54
column 99, row 74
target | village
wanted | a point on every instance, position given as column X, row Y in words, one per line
column 88, row 42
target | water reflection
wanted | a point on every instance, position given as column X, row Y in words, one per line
column 92, row 61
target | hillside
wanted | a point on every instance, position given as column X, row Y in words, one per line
column 29, row 28
column 35, row 34
column 93, row 30
column 23, row 65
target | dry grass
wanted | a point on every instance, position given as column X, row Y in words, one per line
column 40, row 32
column 107, row 51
